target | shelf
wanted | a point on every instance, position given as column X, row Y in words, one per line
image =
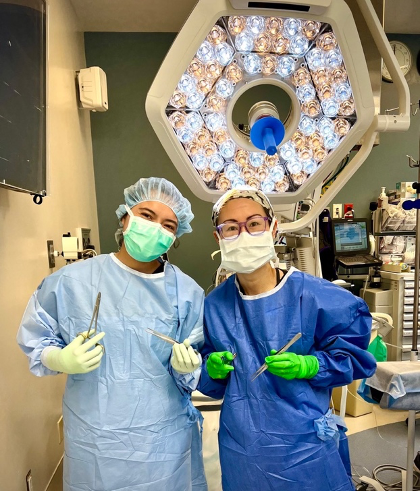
column 408, row 233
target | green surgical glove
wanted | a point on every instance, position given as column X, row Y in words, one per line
column 291, row 365
column 218, row 364
column 76, row 357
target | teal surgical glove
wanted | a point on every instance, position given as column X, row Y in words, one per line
column 184, row 358
column 291, row 365
column 218, row 364
column 76, row 357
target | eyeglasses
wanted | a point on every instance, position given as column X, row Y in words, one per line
column 231, row 230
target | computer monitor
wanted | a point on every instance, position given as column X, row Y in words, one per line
column 350, row 237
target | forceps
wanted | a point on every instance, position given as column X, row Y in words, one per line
column 92, row 331
column 264, row 367
column 168, row 339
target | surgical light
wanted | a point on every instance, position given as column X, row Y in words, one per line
column 310, row 51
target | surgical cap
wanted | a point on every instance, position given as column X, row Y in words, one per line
column 159, row 189
column 243, row 192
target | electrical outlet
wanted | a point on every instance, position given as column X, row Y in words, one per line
column 83, row 234
column 60, row 430
column 29, row 483
column 337, row 210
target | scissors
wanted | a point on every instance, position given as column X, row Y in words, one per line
column 94, row 321
column 264, row 367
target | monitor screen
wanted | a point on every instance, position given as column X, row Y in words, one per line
column 351, row 236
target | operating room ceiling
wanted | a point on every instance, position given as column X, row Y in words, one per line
column 401, row 16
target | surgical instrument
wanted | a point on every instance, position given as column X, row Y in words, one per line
column 94, row 319
column 264, row 367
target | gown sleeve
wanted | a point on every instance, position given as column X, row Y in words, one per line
column 39, row 326
column 342, row 335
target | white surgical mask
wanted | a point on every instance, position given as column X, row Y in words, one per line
column 248, row 252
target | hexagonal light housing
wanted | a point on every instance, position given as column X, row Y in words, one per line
column 316, row 59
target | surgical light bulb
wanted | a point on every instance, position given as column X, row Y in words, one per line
column 216, row 162
column 256, row 159
column 274, row 25
column 301, row 76
column 195, row 100
column 267, row 186
column 239, row 181
column 252, row 63
column 223, row 183
column 220, row 136
column 234, row 73
column 326, row 41
column 200, row 161
column 294, row 165
column 244, row 42
column 316, row 59
column 204, row 85
column 262, row 172
column 271, row 160
column 205, row 52
column 282, row 186
column 215, row 103
column 202, row 136
column 209, row 149
column 320, row 154
column 268, row 64
column 194, row 121
column 232, row 171
column 178, row 99
column 331, row 141
column 213, row 69
column 343, row 92
column 315, row 140
column 325, row 127
column 299, row 45
column 193, row 148
column 285, row 66
column 277, row 173
column 329, row 107
column 334, row 58
column 339, row 75
column 280, row 44
column 310, row 29
column 305, row 92
column 325, row 91
column 187, row 84
column 311, row 108
column 224, row 53
column 310, row 166
column 208, row 175
column 299, row 178
column 322, row 76
column 227, row 149
column 291, row 27
column 253, row 182
column 287, row 151
column 242, row 157
column 214, row 121
column 341, row 126
column 298, row 139
column 236, row 24
column 262, row 43
column 177, row 119
column 305, row 153
column 307, row 125
column 185, row 135
column 196, row 68
column 224, row 88
column 346, row 108
column 216, row 35
column 247, row 172
column 255, row 24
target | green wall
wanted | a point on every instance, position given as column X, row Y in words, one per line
column 126, row 148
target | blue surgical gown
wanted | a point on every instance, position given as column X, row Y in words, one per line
column 130, row 424
column 268, row 437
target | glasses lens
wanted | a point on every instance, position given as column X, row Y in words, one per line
column 256, row 226
column 229, row 230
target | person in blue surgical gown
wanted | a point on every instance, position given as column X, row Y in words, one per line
column 128, row 419
column 277, row 432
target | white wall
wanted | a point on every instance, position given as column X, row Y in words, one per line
column 31, row 406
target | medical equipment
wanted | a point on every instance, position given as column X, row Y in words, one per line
column 94, row 319
column 93, row 92
column 227, row 49
column 168, row 339
column 264, row 366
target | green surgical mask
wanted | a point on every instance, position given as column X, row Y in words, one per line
column 144, row 240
